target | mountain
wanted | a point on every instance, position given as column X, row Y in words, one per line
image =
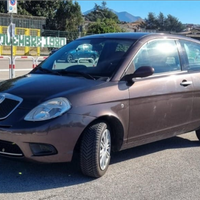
column 122, row 16
column 126, row 17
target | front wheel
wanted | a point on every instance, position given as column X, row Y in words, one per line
column 95, row 150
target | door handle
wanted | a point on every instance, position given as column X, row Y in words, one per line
column 186, row 83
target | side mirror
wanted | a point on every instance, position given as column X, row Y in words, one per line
column 141, row 72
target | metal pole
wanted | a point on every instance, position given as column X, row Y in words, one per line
column 11, row 43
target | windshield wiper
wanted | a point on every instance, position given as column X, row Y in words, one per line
column 76, row 73
column 48, row 71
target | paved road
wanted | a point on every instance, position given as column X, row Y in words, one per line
column 21, row 67
column 165, row 170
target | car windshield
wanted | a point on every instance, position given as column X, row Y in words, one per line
column 94, row 57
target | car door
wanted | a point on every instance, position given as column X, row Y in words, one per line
column 160, row 105
column 79, row 52
column 87, row 51
column 83, row 51
column 192, row 65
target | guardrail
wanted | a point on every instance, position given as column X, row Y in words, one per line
column 9, row 68
column 40, row 58
column 35, row 62
column 25, row 57
column 82, row 60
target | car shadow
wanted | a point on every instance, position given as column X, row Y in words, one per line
column 171, row 143
column 19, row 176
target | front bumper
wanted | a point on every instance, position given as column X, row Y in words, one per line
column 62, row 133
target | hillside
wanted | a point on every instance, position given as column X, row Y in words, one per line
column 122, row 16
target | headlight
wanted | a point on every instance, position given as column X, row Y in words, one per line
column 48, row 110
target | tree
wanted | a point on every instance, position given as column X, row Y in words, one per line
column 60, row 15
column 68, row 16
column 3, row 6
column 101, row 12
column 102, row 20
column 173, row 24
column 161, row 20
column 96, row 6
column 103, row 4
column 104, row 26
column 162, row 23
column 151, row 21
column 43, row 8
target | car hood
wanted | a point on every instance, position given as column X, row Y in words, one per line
column 36, row 88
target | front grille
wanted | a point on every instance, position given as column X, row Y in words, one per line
column 8, row 104
column 10, row 149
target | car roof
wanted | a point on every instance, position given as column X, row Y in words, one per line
column 118, row 35
column 137, row 36
column 123, row 35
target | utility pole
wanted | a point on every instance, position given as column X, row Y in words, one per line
column 11, row 44
column 12, row 8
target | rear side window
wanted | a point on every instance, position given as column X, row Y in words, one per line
column 192, row 51
column 162, row 55
column 84, row 47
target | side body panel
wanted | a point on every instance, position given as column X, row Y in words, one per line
column 160, row 107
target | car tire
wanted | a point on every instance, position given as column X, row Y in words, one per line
column 95, row 150
column 69, row 58
column 198, row 134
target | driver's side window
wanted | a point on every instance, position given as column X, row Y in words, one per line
column 79, row 48
column 162, row 55
column 192, row 51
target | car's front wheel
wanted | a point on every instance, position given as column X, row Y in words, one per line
column 95, row 150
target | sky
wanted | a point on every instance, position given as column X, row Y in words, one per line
column 187, row 12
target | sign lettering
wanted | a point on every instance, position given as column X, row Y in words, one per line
column 33, row 41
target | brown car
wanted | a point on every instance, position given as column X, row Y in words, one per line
column 141, row 88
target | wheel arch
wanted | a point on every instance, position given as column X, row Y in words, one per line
column 117, row 132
